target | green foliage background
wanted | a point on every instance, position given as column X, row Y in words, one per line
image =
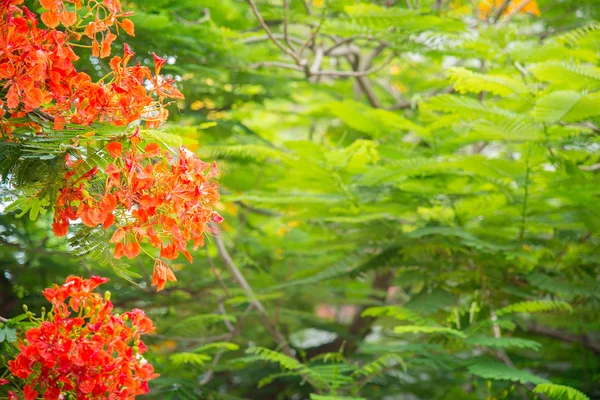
column 427, row 231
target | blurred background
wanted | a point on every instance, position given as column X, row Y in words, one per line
column 409, row 188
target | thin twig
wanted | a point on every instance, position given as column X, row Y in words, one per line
column 255, row 210
column 307, row 6
column 590, row 168
column 221, row 308
column 211, row 264
column 368, row 61
column 513, row 12
column 234, row 331
column 239, row 277
column 262, row 38
column 3, row 320
column 286, row 37
column 267, row 30
column 338, row 44
column 356, row 73
column 276, row 64
column 363, row 84
column 585, row 340
column 501, row 10
column 313, row 34
column 316, row 65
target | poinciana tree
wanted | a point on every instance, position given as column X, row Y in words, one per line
column 63, row 124
column 142, row 194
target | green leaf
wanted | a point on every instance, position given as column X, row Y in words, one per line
column 568, row 75
column 504, row 342
column 566, row 105
column 8, row 334
column 466, row 81
column 429, row 329
column 190, row 358
column 499, row 371
column 559, row 392
column 528, row 307
column 217, row 346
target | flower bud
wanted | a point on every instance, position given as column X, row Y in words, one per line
column 25, row 308
column 106, row 296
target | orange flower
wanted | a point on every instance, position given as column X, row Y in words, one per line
column 37, row 68
column 146, row 196
column 169, row 203
column 161, row 274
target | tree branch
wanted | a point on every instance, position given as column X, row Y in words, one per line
column 355, row 73
column 513, row 12
column 277, row 64
column 266, row 28
column 363, row 83
column 262, row 38
column 313, row 34
column 501, row 10
column 239, row 277
column 586, row 340
column 286, row 37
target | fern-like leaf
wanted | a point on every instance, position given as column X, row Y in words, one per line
column 504, row 342
column 326, row 397
column 380, row 364
column 466, row 81
column 569, row 76
column 397, row 312
column 498, row 371
column 567, row 106
column 528, row 307
column 190, row 358
column 559, row 392
column 429, row 329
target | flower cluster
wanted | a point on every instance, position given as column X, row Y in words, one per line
column 82, row 349
column 147, row 197
column 37, row 71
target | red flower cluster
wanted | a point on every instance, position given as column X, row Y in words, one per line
column 148, row 198
column 93, row 354
column 37, row 71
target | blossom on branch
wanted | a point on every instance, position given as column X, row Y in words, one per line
column 83, row 349
column 37, row 70
column 148, row 197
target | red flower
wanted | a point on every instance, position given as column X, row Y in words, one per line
column 94, row 356
column 29, row 393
